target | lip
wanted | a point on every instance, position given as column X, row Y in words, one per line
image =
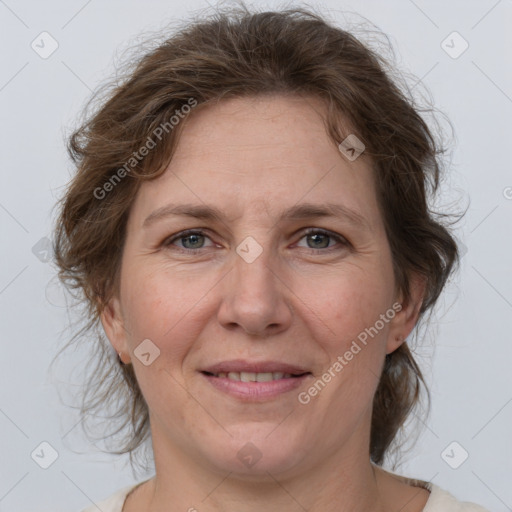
column 240, row 365
column 255, row 391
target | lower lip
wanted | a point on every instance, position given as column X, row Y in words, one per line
column 253, row 391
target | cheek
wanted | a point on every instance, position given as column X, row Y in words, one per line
column 161, row 307
column 348, row 328
column 165, row 305
column 345, row 302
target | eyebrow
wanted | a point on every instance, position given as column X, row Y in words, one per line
column 298, row 212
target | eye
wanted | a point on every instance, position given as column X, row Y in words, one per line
column 192, row 240
column 320, row 239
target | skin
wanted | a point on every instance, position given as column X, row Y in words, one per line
column 303, row 301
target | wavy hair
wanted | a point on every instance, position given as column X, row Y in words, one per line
column 239, row 53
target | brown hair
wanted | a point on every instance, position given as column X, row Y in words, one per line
column 232, row 54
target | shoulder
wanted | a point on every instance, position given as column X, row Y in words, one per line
column 113, row 503
column 442, row 501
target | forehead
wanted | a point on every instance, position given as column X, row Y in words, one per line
column 260, row 154
column 263, row 126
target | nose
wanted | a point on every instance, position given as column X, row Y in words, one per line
column 256, row 298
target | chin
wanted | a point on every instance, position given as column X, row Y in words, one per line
column 253, row 453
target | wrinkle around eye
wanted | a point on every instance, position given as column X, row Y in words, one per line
column 340, row 242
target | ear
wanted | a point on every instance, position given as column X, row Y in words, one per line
column 113, row 325
column 405, row 319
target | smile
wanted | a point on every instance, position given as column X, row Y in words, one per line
column 255, row 387
column 254, row 377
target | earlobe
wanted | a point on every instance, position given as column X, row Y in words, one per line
column 404, row 321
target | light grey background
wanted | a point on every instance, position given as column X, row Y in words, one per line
column 470, row 370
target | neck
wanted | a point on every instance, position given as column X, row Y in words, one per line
column 343, row 482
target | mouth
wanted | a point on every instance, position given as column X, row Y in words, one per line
column 254, row 377
column 255, row 381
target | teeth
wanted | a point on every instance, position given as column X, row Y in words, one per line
column 254, row 377
column 264, row 377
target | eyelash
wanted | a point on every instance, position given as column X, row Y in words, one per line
column 309, row 231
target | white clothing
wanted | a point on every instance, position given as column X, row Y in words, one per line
column 439, row 500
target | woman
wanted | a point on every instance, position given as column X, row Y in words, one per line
column 249, row 222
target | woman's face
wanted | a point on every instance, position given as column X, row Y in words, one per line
column 264, row 285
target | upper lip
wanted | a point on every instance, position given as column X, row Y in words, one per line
column 239, row 365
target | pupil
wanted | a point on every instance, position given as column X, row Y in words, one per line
column 319, row 235
column 194, row 239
